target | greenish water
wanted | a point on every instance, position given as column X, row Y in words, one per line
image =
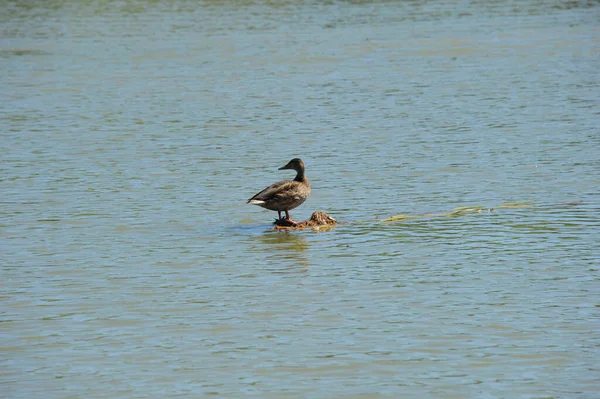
column 133, row 132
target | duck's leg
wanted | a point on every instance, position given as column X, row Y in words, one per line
column 279, row 214
column 289, row 219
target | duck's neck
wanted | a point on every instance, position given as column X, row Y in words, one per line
column 300, row 176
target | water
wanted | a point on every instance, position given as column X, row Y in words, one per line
column 134, row 131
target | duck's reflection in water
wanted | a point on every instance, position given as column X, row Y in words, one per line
column 287, row 247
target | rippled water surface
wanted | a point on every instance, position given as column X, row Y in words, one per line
column 134, row 131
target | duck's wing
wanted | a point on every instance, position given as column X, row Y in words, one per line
column 273, row 191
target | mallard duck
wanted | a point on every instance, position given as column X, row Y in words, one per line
column 285, row 195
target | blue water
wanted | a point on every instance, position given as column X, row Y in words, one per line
column 134, row 132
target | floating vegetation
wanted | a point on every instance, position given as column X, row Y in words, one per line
column 466, row 210
column 462, row 211
column 21, row 52
column 321, row 220
column 317, row 221
column 515, row 205
column 400, row 218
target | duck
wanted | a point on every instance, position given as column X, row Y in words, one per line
column 285, row 195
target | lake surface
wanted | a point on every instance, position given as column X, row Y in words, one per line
column 134, row 131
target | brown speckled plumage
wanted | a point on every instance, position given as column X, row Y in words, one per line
column 285, row 195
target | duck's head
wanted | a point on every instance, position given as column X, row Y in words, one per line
column 295, row 164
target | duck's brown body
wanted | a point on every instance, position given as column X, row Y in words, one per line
column 285, row 195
